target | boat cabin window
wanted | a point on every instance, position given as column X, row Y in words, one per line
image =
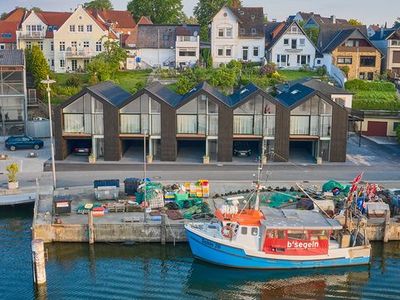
column 244, row 230
column 276, row 234
column 318, row 235
column 254, row 231
column 297, row 235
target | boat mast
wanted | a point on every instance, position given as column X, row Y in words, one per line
column 258, row 185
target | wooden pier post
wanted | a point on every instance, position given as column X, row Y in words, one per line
column 163, row 229
column 387, row 227
column 39, row 262
column 90, row 227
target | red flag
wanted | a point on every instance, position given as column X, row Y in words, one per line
column 358, row 178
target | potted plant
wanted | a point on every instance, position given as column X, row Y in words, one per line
column 206, row 159
column 92, row 158
column 12, row 170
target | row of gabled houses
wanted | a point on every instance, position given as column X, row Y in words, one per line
column 204, row 122
column 70, row 39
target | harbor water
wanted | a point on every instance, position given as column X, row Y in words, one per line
column 153, row 271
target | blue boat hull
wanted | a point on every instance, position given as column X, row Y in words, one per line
column 220, row 254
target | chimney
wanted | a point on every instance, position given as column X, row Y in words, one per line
column 382, row 31
column 333, row 18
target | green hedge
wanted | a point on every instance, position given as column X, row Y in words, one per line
column 363, row 85
column 376, row 104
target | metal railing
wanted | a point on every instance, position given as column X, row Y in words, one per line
column 31, row 35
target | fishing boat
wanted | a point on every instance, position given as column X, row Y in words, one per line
column 271, row 238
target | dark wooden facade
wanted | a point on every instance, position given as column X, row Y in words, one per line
column 113, row 143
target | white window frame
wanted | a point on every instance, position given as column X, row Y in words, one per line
column 86, row 44
column 258, row 51
column 71, row 28
column 89, row 28
column 222, row 51
column 99, row 46
column 62, row 46
column 81, row 28
column 62, row 63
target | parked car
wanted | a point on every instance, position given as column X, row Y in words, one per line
column 241, row 149
column 23, row 142
column 80, row 150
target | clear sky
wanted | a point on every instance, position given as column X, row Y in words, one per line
column 368, row 11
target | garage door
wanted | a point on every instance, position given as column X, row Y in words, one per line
column 376, row 128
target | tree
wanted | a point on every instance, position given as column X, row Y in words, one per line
column 205, row 10
column 190, row 20
column 37, row 65
column 312, row 33
column 99, row 4
column 159, row 11
column 398, row 133
column 355, row 22
column 3, row 16
column 106, row 64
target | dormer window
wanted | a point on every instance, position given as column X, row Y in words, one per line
column 241, row 12
column 253, row 31
column 242, row 31
column 253, row 17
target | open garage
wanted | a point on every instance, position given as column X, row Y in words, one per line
column 245, row 150
column 79, row 149
column 132, row 149
column 191, row 150
column 302, row 151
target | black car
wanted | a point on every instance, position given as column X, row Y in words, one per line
column 23, row 142
column 241, row 149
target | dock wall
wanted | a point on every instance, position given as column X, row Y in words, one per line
column 109, row 232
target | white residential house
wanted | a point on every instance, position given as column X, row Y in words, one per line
column 288, row 46
column 79, row 39
column 39, row 28
column 70, row 40
column 237, row 34
column 166, row 45
column 387, row 40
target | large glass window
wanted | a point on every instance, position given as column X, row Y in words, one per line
column 313, row 117
column 142, row 115
column 255, row 117
column 199, row 116
column 84, row 115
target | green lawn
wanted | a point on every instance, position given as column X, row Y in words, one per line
column 126, row 79
column 295, row 75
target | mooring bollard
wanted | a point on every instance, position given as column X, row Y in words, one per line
column 39, row 262
column 90, row 227
column 387, row 227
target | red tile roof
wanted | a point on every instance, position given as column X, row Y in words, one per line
column 15, row 15
column 144, row 20
column 53, row 18
column 7, row 27
column 119, row 18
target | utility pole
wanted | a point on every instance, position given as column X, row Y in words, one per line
column 145, row 173
column 48, row 81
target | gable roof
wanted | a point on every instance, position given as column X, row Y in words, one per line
column 52, row 18
column 119, row 18
column 11, row 58
column 296, row 94
column 274, row 33
column 332, row 35
column 385, row 34
column 110, row 92
column 315, row 84
column 16, row 15
column 249, row 18
column 164, row 93
column 8, row 31
column 320, row 19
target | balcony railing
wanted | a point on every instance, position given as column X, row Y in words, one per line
column 83, row 53
column 31, row 35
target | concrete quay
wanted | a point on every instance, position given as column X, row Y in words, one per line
column 113, row 227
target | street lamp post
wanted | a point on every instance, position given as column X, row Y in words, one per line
column 48, row 81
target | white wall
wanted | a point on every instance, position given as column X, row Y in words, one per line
column 225, row 19
column 281, row 49
column 156, row 57
column 63, row 34
column 348, row 99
